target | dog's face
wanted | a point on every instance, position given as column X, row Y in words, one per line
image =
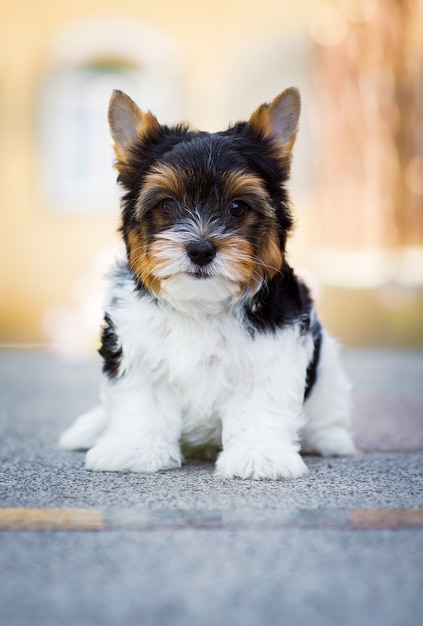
column 205, row 216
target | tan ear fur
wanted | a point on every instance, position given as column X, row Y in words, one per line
column 128, row 123
column 279, row 120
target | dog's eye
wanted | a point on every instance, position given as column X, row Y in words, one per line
column 238, row 208
column 169, row 207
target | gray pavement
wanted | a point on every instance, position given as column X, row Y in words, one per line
column 341, row 546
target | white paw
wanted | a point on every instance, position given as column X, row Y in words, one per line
column 330, row 441
column 273, row 464
column 85, row 432
column 114, row 455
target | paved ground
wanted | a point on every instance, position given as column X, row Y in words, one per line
column 341, row 546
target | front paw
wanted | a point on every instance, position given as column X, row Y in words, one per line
column 271, row 463
column 112, row 455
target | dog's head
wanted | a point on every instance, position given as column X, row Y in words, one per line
column 205, row 216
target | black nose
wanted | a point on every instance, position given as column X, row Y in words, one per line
column 201, row 252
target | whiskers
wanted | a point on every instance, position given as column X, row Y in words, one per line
column 235, row 262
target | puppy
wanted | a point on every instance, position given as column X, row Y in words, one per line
column 209, row 338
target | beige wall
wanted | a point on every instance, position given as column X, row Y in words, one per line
column 229, row 56
column 45, row 253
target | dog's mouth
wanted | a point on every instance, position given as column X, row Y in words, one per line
column 199, row 273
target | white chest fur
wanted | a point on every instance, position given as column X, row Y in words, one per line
column 202, row 361
column 204, row 378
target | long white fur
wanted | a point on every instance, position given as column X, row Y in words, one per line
column 193, row 374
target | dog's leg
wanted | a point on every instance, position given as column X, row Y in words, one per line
column 144, row 428
column 258, row 445
column 262, row 419
column 86, row 431
column 327, row 410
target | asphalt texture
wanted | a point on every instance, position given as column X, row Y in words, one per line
column 341, row 546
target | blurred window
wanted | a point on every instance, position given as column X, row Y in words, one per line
column 88, row 60
column 76, row 147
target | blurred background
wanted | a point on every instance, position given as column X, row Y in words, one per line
column 357, row 179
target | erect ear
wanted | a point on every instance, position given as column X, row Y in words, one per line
column 128, row 124
column 278, row 120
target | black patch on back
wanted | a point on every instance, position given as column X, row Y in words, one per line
column 311, row 376
column 284, row 300
column 110, row 350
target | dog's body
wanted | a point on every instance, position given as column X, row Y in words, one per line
column 209, row 337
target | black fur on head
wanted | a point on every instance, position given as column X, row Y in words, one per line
column 186, row 189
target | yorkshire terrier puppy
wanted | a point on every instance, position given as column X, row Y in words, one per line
column 209, row 338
